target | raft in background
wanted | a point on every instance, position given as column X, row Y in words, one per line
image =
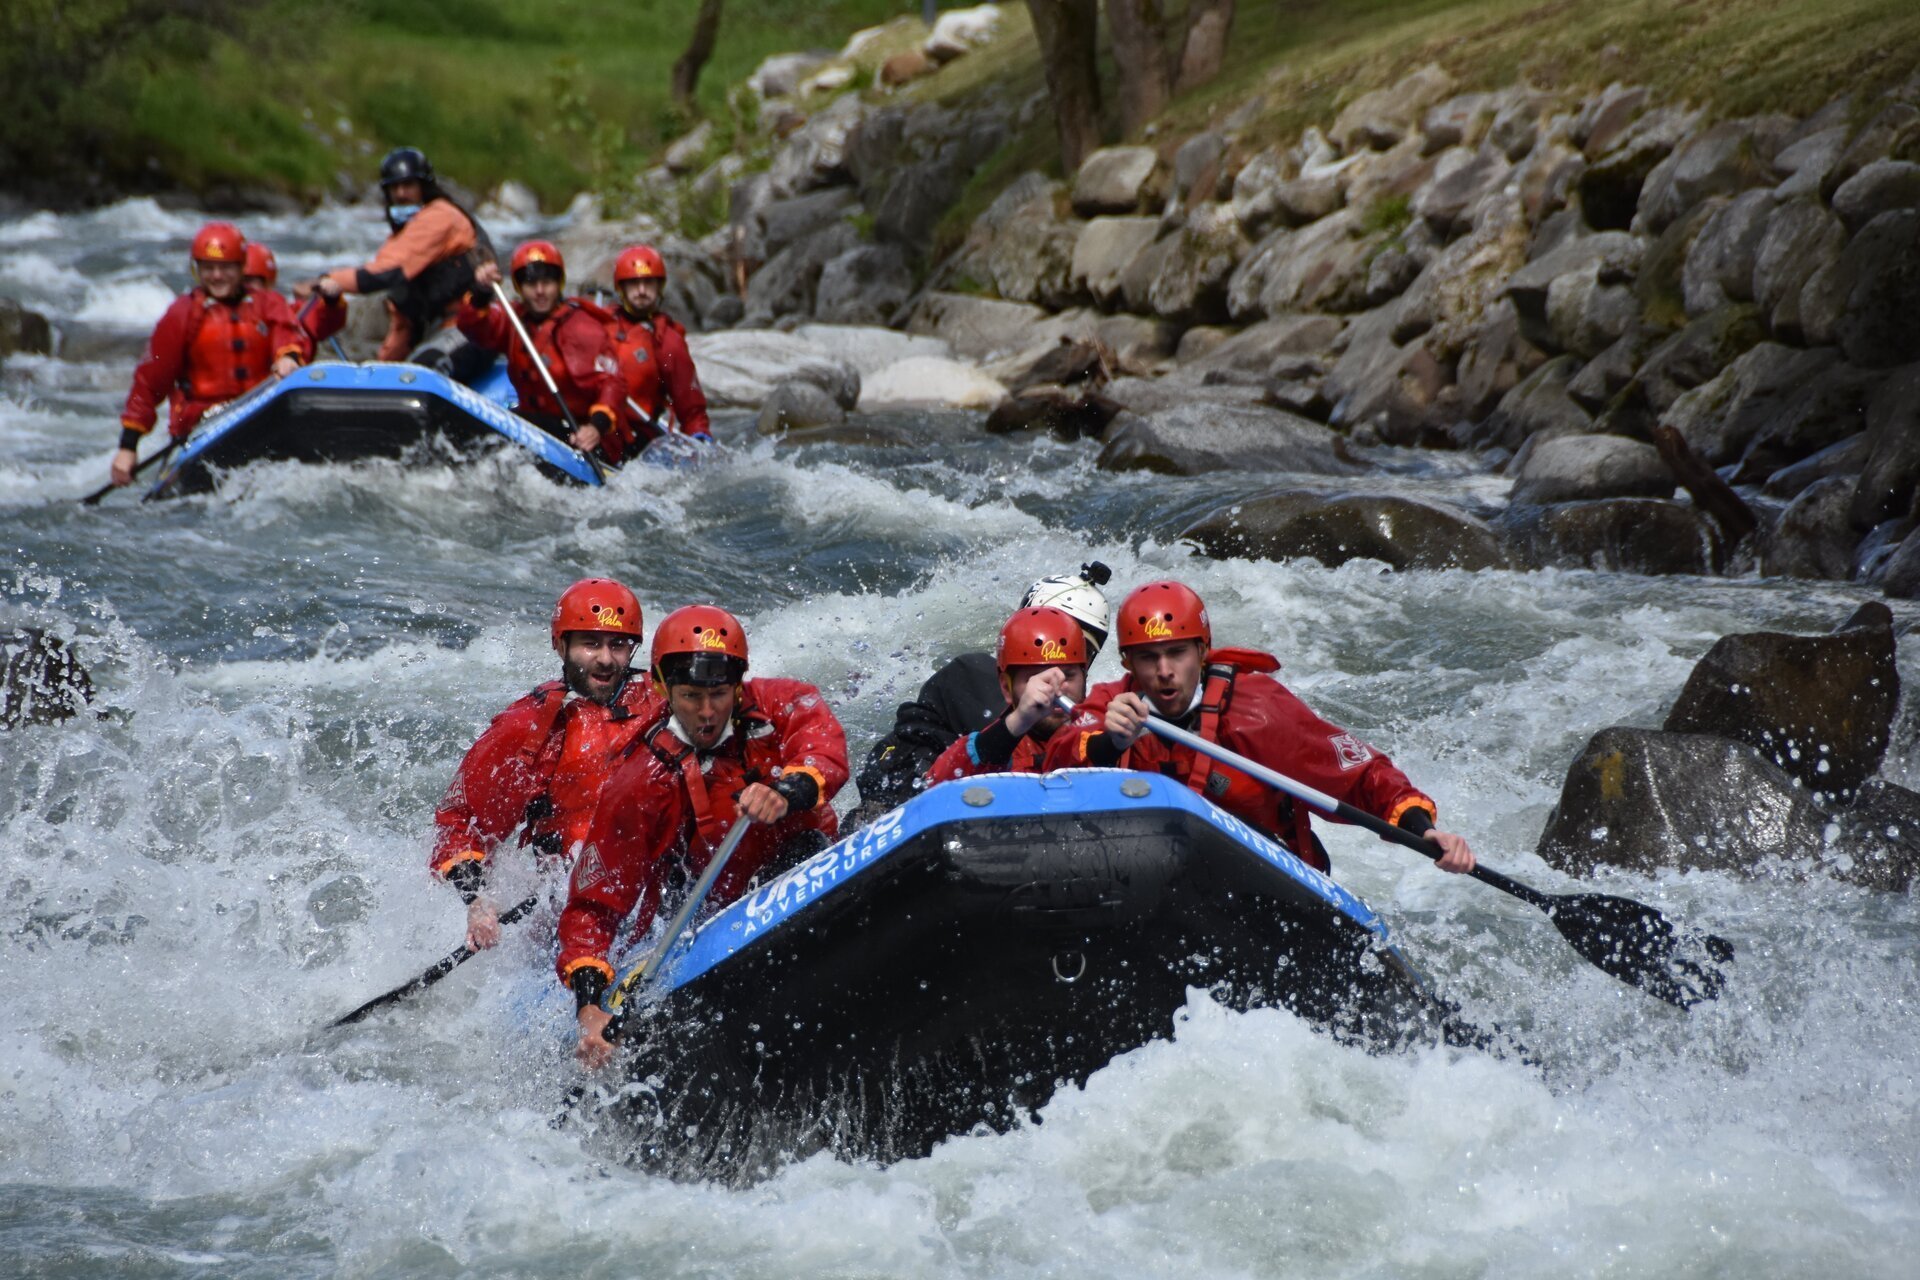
column 950, row 965
column 337, row 412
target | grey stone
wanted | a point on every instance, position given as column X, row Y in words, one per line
column 1844, row 460
column 1322, row 267
column 1609, row 189
column 1516, row 125
column 1879, row 187
column 1880, row 273
column 1819, row 707
column 1103, row 252
column 1139, row 342
column 1586, row 316
column 1114, row 180
column 1573, row 468
column 1406, row 533
column 1196, row 166
column 740, row 368
column 1720, row 417
column 1892, row 468
column 1719, row 266
column 1461, row 179
column 1604, row 118
column 1812, row 538
column 1698, row 352
column 1615, row 535
column 23, row 332
column 1190, row 286
column 1891, row 132
column 1820, row 411
column 1255, row 349
column 1608, row 259
column 787, row 284
column 1381, row 386
column 1460, row 121
column 1723, row 159
column 864, row 285
column 1879, row 844
column 685, row 155
column 815, row 154
column 1199, row 439
column 1807, row 162
column 1493, row 360
column 1800, row 237
column 783, row 222
column 976, row 328
column 1538, row 404
column 1383, row 117
column 1031, row 259
column 798, row 406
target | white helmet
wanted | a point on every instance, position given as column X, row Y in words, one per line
column 1077, row 595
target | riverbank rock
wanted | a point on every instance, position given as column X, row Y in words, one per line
column 1198, row 439
column 863, row 286
column 1619, row 535
column 1383, row 117
column 868, row 348
column 977, row 328
column 930, row 380
column 1115, row 180
column 42, row 681
column 1576, row 467
column 741, row 367
column 1820, row 707
column 23, row 332
column 1405, row 533
column 798, row 406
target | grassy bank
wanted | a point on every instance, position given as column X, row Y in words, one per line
column 288, row 96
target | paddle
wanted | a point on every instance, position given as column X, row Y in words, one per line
column 158, row 455
column 533, row 354
column 438, row 971
column 1619, row 936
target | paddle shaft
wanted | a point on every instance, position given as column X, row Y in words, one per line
column 157, row 455
column 439, row 970
column 546, row 375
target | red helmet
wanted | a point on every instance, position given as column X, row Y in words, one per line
column 1041, row 636
column 638, row 262
column 537, row 252
column 700, row 644
column 260, row 262
column 1163, row 611
column 595, row 604
column 219, row 242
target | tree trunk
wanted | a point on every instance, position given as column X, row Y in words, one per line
column 1145, row 78
column 1065, row 29
column 1209, row 22
column 686, row 70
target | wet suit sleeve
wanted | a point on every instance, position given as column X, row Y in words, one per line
column 489, row 793
column 1082, row 742
column 485, row 327
column 1292, row 738
column 289, row 338
column 811, row 738
column 988, row 751
column 637, row 822
column 593, row 365
column 159, row 369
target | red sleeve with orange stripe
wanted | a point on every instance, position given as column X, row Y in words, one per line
column 490, row 791
column 637, row 823
column 811, row 737
column 1270, row 725
column 160, row 366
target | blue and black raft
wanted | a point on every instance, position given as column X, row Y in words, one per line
column 955, row 962
column 337, row 412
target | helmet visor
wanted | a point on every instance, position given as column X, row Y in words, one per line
column 705, row 669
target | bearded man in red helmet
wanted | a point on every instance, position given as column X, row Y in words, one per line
column 217, row 341
column 1042, row 654
column 1229, row 697
column 724, row 747
column 542, row 763
column 570, row 336
column 652, row 349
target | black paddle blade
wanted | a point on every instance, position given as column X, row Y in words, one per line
column 1638, row 945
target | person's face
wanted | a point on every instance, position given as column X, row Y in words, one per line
column 408, row 192
column 541, row 296
column 1076, row 689
column 254, row 282
column 641, row 296
column 595, row 663
column 1167, row 673
column 221, row 279
column 702, row 710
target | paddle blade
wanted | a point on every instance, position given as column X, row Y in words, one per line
column 1638, row 945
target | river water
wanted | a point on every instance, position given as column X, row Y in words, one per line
column 233, row 853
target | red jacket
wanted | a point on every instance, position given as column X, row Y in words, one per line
column 658, row 371
column 323, row 319
column 667, row 804
column 204, row 353
column 542, row 763
column 1264, row 722
column 573, row 344
column 977, row 753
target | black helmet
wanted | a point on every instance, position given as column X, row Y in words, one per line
column 406, row 164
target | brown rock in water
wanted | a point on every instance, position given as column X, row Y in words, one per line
column 1618, row 535
column 1405, row 533
column 1820, row 707
column 1067, row 414
column 41, row 681
column 23, row 331
column 1075, row 360
column 1194, row 438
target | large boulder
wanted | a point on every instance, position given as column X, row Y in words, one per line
column 785, row 222
column 1462, row 178
column 1719, row 266
column 1800, row 238
column 1892, row 469
column 1646, row 800
column 1844, row 460
column 789, row 283
column 1722, row 159
column 1199, row 439
column 741, row 367
column 977, row 328
column 1190, row 286
column 1719, row 418
column 1880, row 187
column 1880, row 276
column 1827, row 408
column 1406, row 533
column 41, row 680
column 23, row 332
column 798, row 406
column 1610, row 187
column 1539, row 405
column 1461, row 121
column 1106, row 247
column 863, row 286
column 930, row 380
column 1697, row 353
column 1385, row 386
column 1320, row 267
column 1879, row 839
column 1811, row 538
column 1607, row 259
column 1805, row 163
column 1115, row 180
column 870, row 349
column 1577, row 467
column 1460, row 284
column 1618, row 535
column 1383, row 117
column 1819, row 707
column 1257, row 348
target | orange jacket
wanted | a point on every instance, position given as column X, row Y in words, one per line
column 1247, row 711
column 658, row 371
column 668, row 806
column 438, row 232
column 204, row 352
column 573, row 344
column 542, row 763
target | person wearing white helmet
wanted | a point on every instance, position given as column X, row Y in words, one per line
column 966, row 695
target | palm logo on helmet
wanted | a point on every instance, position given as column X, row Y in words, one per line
column 537, row 259
column 219, row 242
column 1163, row 611
column 1041, row 636
column 639, row 262
column 595, row 604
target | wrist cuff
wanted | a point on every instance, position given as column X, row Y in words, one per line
column 1101, row 753
column 469, row 878
column 588, row 984
column 1416, row 821
column 129, row 438
column 799, row 789
column 994, row 744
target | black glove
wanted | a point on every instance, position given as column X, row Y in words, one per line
column 588, row 984
column 799, row 790
column 469, row 878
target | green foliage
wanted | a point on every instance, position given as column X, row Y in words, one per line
column 1388, row 214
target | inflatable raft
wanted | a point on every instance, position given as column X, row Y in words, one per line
column 335, row 412
column 952, row 964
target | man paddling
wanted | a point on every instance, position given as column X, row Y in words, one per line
column 1229, row 697
column 655, row 364
column 568, row 333
column 963, row 696
column 1042, row 654
column 541, row 765
column 318, row 318
column 426, row 265
column 216, row 341
column 723, row 747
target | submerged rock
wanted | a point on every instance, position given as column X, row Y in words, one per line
column 41, row 679
column 799, row 406
column 1406, row 533
column 1621, row 535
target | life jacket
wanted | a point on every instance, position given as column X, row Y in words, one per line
column 229, row 348
column 573, row 766
column 427, row 297
column 545, row 337
column 712, row 793
column 637, row 345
